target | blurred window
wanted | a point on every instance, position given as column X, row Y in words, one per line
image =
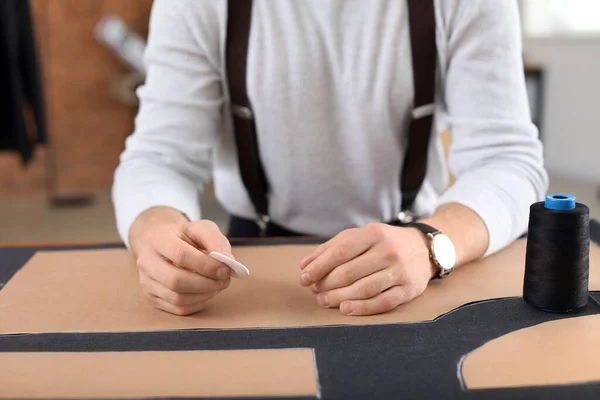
column 543, row 18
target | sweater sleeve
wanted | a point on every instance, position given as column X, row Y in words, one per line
column 167, row 159
column 496, row 155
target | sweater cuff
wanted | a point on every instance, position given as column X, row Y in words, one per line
column 492, row 210
column 132, row 201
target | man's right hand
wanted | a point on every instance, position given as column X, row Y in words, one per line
column 175, row 271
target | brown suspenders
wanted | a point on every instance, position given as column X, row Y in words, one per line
column 423, row 49
column 253, row 175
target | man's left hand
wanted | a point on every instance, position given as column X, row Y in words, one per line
column 369, row 270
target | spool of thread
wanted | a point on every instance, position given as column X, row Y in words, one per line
column 557, row 258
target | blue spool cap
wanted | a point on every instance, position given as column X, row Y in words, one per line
column 560, row 201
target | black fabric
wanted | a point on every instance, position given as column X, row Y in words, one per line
column 400, row 361
column 244, row 228
column 595, row 231
column 19, row 80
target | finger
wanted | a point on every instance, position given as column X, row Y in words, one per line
column 365, row 288
column 307, row 260
column 177, row 310
column 177, row 279
column 337, row 254
column 381, row 303
column 154, row 288
column 207, row 235
column 323, row 247
column 350, row 272
column 183, row 255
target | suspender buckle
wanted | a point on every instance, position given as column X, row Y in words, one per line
column 263, row 222
column 423, row 111
column 406, row 217
column 242, row 112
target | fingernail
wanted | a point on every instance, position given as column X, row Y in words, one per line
column 306, row 278
column 347, row 308
column 228, row 254
column 222, row 273
column 323, row 300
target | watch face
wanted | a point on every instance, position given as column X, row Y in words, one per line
column 443, row 251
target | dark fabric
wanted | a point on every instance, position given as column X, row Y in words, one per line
column 399, row 361
column 19, row 80
column 245, row 228
column 595, row 231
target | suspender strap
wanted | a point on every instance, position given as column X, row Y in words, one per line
column 423, row 46
column 423, row 49
column 253, row 176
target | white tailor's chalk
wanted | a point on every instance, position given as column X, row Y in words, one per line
column 239, row 270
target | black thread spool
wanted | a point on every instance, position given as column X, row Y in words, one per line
column 557, row 260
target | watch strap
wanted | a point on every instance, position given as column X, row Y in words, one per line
column 424, row 228
column 430, row 230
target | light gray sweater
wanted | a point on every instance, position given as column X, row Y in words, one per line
column 331, row 86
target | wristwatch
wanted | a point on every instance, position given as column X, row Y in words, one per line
column 441, row 249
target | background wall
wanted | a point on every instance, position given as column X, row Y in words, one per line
column 87, row 128
column 571, row 122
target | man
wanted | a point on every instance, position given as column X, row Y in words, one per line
column 331, row 87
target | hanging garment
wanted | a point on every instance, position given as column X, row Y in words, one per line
column 20, row 85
